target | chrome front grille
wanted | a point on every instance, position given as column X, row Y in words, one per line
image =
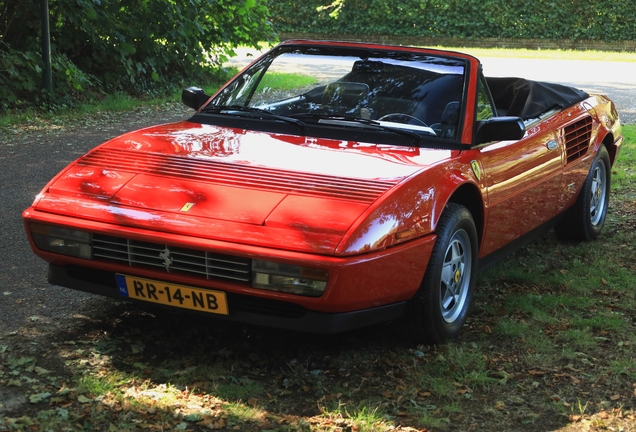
column 171, row 259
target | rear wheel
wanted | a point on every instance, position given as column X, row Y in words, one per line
column 584, row 221
column 439, row 309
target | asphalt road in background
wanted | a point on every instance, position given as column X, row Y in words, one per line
column 29, row 158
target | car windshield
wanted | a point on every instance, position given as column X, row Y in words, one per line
column 417, row 92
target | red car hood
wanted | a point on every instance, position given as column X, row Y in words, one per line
column 297, row 193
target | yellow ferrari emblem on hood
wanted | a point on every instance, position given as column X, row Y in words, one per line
column 187, row 207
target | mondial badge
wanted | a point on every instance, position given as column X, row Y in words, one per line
column 475, row 165
column 187, row 207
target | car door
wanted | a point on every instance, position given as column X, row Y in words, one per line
column 522, row 179
column 523, row 185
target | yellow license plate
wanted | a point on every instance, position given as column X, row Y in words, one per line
column 172, row 295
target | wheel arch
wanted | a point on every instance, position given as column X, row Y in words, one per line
column 610, row 145
column 469, row 196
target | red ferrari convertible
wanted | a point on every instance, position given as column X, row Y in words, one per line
column 330, row 186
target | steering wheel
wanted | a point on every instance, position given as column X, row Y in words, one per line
column 403, row 116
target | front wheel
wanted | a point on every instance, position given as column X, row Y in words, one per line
column 585, row 219
column 439, row 309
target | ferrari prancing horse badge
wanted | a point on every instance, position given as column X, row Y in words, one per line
column 476, row 169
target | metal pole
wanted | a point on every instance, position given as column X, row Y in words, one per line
column 46, row 46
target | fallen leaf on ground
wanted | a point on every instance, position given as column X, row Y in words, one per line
column 39, row 397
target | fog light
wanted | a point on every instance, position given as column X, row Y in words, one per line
column 64, row 241
column 288, row 278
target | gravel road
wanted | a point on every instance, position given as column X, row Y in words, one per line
column 30, row 156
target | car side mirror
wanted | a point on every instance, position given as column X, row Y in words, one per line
column 500, row 129
column 194, row 97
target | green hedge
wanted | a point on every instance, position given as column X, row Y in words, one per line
column 604, row 20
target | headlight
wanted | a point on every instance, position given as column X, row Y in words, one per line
column 288, row 278
column 64, row 241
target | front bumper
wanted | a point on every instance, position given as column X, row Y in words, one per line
column 243, row 308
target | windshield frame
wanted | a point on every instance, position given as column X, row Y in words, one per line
column 241, row 90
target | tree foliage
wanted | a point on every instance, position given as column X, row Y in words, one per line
column 135, row 46
column 606, row 20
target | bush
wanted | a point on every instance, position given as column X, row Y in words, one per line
column 134, row 46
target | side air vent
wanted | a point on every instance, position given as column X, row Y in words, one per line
column 577, row 139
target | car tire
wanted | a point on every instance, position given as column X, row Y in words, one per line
column 439, row 309
column 585, row 219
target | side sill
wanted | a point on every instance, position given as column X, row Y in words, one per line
column 490, row 260
column 294, row 318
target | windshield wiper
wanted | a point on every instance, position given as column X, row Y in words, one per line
column 373, row 124
column 247, row 109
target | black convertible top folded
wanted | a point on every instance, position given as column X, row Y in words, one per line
column 527, row 99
